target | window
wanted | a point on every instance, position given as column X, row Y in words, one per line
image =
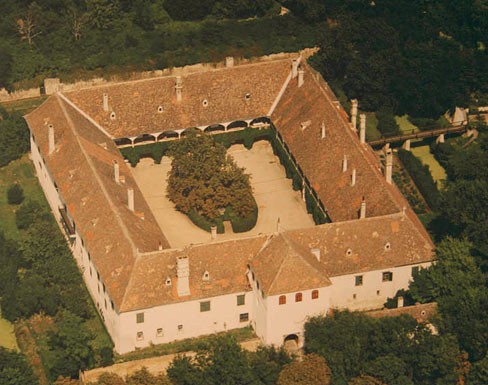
column 247, row 96
column 241, row 299
column 282, row 300
column 315, row 294
column 387, row 246
column 205, row 103
column 159, row 332
column 354, row 296
column 253, row 276
column 298, row 297
column 113, row 305
column 359, row 280
column 91, row 273
column 180, row 327
column 377, row 292
column 105, row 304
column 348, row 252
column 112, row 115
column 104, row 288
column 204, row 306
column 140, row 336
column 243, row 317
column 415, row 271
column 160, row 109
column 140, row 318
column 387, row 276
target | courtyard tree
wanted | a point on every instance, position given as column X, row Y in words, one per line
column 312, row 370
column 206, row 181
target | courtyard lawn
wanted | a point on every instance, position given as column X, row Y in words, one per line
column 20, row 171
column 437, row 171
column 405, row 125
column 7, row 336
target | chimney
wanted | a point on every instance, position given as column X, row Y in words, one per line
column 130, row 198
column 362, row 128
column 183, row 274
column 316, row 252
column 400, row 301
column 344, row 164
column 160, row 246
column 354, row 113
column 116, row 172
column 323, row 131
column 353, row 177
column 50, row 134
column 294, row 68
column 389, row 165
column 362, row 211
column 178, row 88
column 301, row 74
column 105, row 102
column 213, row 232
column 278, row 225
column 229, row 61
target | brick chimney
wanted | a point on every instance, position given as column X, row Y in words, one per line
column 354, row 113
column 50, row 137
column 116, row 172
column 301, row 75
column 178, row 88
column 322, row 135
column 105, row 102
column 353, row 177
column 294, row 68
column 130, row 198
column 183, row 274
column 229, row 61
column 316, row 253
column 389, row 166
column 362, row 211
column 362, row 128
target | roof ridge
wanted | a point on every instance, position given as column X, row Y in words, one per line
column 113, row 207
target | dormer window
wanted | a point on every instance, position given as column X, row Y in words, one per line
column 247, row 97
column 387, row 246
column 160, row 109
column 112, row 115
column 348, row 252
column 168, row 281
column 205, row 103
column 206, row 276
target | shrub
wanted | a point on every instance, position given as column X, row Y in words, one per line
column 205, row 223
column 15, row 194
column 242, row 224
column 422, row 177
column 29, row 213
column 387, row 124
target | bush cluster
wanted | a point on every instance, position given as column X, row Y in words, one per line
column 15, row 194
column 422, row 177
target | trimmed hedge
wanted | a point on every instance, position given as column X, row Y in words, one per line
column 205, row 223
column 240, row 224
column 422, row 177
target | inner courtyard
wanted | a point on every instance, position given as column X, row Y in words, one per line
column 278, row 204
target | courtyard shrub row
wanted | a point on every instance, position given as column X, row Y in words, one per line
column 422, row 177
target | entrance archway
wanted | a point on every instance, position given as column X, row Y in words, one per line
column 291, row 343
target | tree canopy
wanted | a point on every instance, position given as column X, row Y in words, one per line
column 203, row 178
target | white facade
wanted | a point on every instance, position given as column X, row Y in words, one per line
column 272, row 321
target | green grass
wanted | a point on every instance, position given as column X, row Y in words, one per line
column 405, row 124
column 372, row 132
column 437, row 171
column 190, row 344
column 7, row 336
column 20, row 171
column 24, row 106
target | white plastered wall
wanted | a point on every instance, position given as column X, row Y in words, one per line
column 373, row 292
column 223, row 315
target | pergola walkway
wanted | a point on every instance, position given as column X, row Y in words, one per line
column 272, row 190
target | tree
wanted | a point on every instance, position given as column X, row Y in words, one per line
column 143, row 377
column 205, row 179
column 15, row 138
column 70, row 346
column 312, row 370
column 478, row 374
column 15, row 194
column 29, row 24
column 365, row 380
column 14, row 369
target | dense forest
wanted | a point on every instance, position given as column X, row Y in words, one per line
column 417, row 57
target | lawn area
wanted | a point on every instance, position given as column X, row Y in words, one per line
column 20, row 171
column 7, row 336
column 437, row 171
column 24, row 106
column 405, row 125
column 372, row 132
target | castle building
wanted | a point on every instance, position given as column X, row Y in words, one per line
column 148, row 292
